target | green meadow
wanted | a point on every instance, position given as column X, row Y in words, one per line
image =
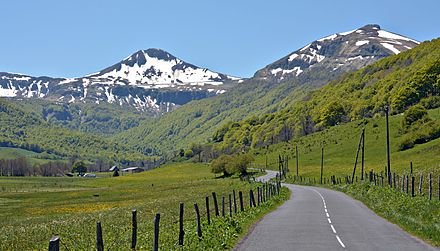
column 32, row 209
column 340, row 145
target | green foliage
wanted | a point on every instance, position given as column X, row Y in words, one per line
column 414, row 114
column 221, row 165
column 417, row 215
column 400, row 81
column 188, row 153
column 25, row 130
column 102, row 119
column 420, row 134
column 232, row 164
column 241, row 162
column 79, row 167
column 418, row 127
column 332, row 114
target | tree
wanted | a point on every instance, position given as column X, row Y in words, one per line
column 181, row 152
column 219, row 165
column 332, row 114
column 197, row 150
column 189, row 153
column 242, row 162
column 416, row 113
column 79, row 167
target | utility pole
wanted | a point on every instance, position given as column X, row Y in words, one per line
column 388, row 146
column 363, row 152
column 322, row 160
column 296, row 151
column 357, row 155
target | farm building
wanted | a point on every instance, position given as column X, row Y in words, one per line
column 134, row 169
column 113, row 168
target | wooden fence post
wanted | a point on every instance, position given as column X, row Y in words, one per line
column 54, row 243
column 214, row 196
column 156, row 232
column 208, row 214
column 279, row 188
column 270, row 190
column 240, row 197
column 235, row 201
column 412, row 186
column 258, row 196
column 430, row 186
column 250, row 198
column 394, row 180
column 99, row 240
column 223, row 206
column 420, row 184
column 181, row 231
column 407, row 184
column 230, row 205
column 403, row 183
column 199, row 227
column 134, row 228
column 253, row 198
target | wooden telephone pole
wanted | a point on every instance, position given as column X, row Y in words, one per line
column 388, row 146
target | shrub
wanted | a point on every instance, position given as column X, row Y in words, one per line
column 414, row 114
column 220, row 164
column 420, row 135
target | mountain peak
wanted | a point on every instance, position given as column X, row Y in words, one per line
column 338, row 52
column 370, row 27
column 159, row 54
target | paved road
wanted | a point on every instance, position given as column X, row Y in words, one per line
column 321, row 219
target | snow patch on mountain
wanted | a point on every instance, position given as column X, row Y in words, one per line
column 8, row 93
column 390, row 47
column 386, row 34
column 360, row 43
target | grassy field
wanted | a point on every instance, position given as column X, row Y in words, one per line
column 32, row 209
column 340, row 150
column 32, row 157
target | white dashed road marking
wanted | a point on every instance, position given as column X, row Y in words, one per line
column 328, row 218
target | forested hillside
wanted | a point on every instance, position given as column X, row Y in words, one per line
column 26, row 130
column 102, row 118
column 400, row 81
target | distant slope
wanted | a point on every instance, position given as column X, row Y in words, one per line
column 21, row 129
column 399, row 81
column 274, row 87
column 102, row 119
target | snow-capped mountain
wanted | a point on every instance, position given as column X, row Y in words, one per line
column 336, row 54
column 150, row 80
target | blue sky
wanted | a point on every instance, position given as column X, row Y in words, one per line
column 73, row 38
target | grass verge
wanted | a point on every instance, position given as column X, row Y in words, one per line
column 416, row 215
